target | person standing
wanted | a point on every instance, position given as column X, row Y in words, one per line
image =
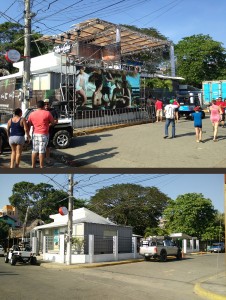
column 215, row 117
column 158, row 109
column 197, row 116
column 170, row 118
column 40, row 120
column 55, row 117
column 16, row 129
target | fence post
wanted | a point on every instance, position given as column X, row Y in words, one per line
column 62, row 256
column 91, row 248
column 134, row 239
column 115, row 247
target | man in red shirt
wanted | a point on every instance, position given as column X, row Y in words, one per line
column 40, row 120
column 158, row 108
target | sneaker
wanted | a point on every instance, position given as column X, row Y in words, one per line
column 165, row 137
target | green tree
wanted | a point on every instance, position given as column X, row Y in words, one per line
column 200, row 58
column 12, row 37
column 131, row 205
column 4, row 230
column 41, row 198
column 190, row 213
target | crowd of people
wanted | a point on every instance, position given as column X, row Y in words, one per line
column 171, row 111
column 42, row 121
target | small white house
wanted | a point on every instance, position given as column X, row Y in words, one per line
column 94, row 238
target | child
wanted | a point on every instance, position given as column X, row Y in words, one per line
column 197, row 115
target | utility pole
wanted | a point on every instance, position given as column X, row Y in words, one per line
column 27, row 53
column 70, row 217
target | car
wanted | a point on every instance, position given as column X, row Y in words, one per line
column 2, row 252
column 61, row 137
column 20, row 253
column 217, row 247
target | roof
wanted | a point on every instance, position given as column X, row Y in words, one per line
column 102, row 33
column 80, row 215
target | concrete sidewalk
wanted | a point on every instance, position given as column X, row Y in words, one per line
column 212, row 288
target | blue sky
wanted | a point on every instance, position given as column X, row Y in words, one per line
column 173, row 18
column 210, row 185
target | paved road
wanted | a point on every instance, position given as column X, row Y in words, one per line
column 141, row 146
column 142, row 280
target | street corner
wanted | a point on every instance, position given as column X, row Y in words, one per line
column 212, row 288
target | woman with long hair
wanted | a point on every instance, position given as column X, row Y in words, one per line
column 215, row 117
column 16, row 129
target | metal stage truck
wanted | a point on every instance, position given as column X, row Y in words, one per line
column 92, row 76
column 188, row 100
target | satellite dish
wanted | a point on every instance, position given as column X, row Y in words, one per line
column 63, row 211
column 12, row 55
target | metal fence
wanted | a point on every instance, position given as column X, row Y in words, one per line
column 103, row 118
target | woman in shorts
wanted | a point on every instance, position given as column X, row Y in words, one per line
column 16, row 129
column 215, row 117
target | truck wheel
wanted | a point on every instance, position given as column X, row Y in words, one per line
column 147, row 258
column 62, row 139
column 33, row 261
column 179, row 255
column 6, row 258
column 163, row 256
column 13, row 261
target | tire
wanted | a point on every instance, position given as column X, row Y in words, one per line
column 13, row 261
column 6, row 258
column 62, row 139
column 163, row 256
column 33, row 261
column 179, row 255
column 147, row 258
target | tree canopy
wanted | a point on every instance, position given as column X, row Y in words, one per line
column 12, row 37
column 41, row 198
column 131, row 205
column 190, row 213
column 200, row 58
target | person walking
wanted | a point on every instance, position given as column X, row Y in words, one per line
column 40, row 120
column 197, row 116
column 158, row 109
column 16, row 129
column 176, row 110
column 215, row 117
column 55, row 117
column 170, row 118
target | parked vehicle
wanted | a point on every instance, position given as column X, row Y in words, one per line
column 159, row 247
column 213, row 90
column 2, row 252
column 20, row 253
column 62, row 132
column 188, row 100
column 217, row 247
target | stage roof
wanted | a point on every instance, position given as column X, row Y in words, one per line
column 102, row 33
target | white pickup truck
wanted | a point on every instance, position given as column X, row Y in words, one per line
column 159, row 248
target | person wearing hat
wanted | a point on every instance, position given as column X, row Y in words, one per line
column 170, row 117
column 55, row 117
column 197, row 116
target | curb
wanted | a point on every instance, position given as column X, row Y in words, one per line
column 204, row 293
column 50, row 265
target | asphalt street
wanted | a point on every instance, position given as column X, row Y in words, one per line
column 141, row 280
column 140, row 146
